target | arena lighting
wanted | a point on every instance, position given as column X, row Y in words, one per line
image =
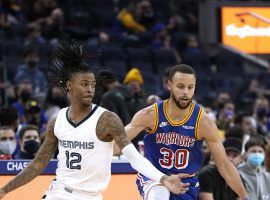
column 246, row 28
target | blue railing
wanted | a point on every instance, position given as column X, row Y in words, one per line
column 12, row 167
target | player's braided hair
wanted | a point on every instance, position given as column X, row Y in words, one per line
column 68, row 59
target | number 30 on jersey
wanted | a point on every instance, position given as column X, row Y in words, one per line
column 178, row 159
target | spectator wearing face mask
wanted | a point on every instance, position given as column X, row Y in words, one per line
column 254, row 176
column 29, row 139
column 24, row 92
column 55, row 100
column 7, row 143
column 30, row 71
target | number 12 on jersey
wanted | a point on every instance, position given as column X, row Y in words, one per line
column 178, row 159
column 73, row 160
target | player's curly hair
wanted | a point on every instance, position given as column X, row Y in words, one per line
column 68, row 59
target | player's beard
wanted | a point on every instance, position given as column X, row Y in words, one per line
column 178, row 104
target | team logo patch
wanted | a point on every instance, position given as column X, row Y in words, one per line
column 68, row 190
column 187, row 127
column 197, row 184
column 162, row 124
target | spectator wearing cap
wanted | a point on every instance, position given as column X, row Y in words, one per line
column 29, row 140
column 254, row 176
column 106, row 80
column 34, row 115
column 212, row 184
column 135, row 82
column 7, row 143
column 117, row 97
column 30, row 71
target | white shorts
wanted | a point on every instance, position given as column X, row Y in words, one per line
column 148, row 186
column 59, row 191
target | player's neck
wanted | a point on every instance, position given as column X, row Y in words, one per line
column 78, row 112
column 175, row 112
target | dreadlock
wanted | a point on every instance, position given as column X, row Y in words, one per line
column 67, row 60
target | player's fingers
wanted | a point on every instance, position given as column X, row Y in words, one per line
column 184, row 190
column 182, row 175
column 185, row 185
column 179, row 190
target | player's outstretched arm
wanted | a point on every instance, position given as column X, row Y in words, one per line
column 143, row 119
column 209, row 132
column 38, row 164
column 110, row 124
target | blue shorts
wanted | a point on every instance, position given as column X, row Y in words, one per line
column 144, row 184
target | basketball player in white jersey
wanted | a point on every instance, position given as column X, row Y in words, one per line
column 84, row 133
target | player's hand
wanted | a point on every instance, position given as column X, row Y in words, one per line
column 2, row 194
column 174, row 184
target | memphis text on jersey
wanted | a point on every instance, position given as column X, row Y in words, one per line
column 76, row 144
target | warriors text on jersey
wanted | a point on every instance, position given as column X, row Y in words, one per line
column 84, row 162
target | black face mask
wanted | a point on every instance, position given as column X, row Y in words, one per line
column 59, row 101
column 31, row 146
column 261, row 112
column 32, row 62
column 25, row 96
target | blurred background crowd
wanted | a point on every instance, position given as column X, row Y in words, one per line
column 137, row 41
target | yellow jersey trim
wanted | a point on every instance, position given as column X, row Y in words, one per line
column 165, row 108
column 156, row 121
column 197, row 124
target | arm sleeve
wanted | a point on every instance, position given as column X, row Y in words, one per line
column 141, row 164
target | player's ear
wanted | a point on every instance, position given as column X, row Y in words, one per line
column 169, row 85
column 68, row 85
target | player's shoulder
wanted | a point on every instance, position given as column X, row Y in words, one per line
column 148, row 111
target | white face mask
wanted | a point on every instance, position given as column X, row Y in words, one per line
column 7, row 147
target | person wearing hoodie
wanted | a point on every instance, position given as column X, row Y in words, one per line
column 30, row 71
column 254, row 176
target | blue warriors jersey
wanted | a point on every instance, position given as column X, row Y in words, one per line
column 173, row 147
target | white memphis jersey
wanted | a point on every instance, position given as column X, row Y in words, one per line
column 84, row 162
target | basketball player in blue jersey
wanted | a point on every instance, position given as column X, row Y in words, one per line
column 176, row 129
column 84, row 133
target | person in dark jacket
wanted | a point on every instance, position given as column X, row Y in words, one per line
column 212, row 184
column 117, row 97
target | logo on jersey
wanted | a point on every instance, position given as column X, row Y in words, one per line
column 162, row 124
column 197, row 184
column 188, row 127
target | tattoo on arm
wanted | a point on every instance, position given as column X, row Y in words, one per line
column 39, row 163
column 110, row 124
